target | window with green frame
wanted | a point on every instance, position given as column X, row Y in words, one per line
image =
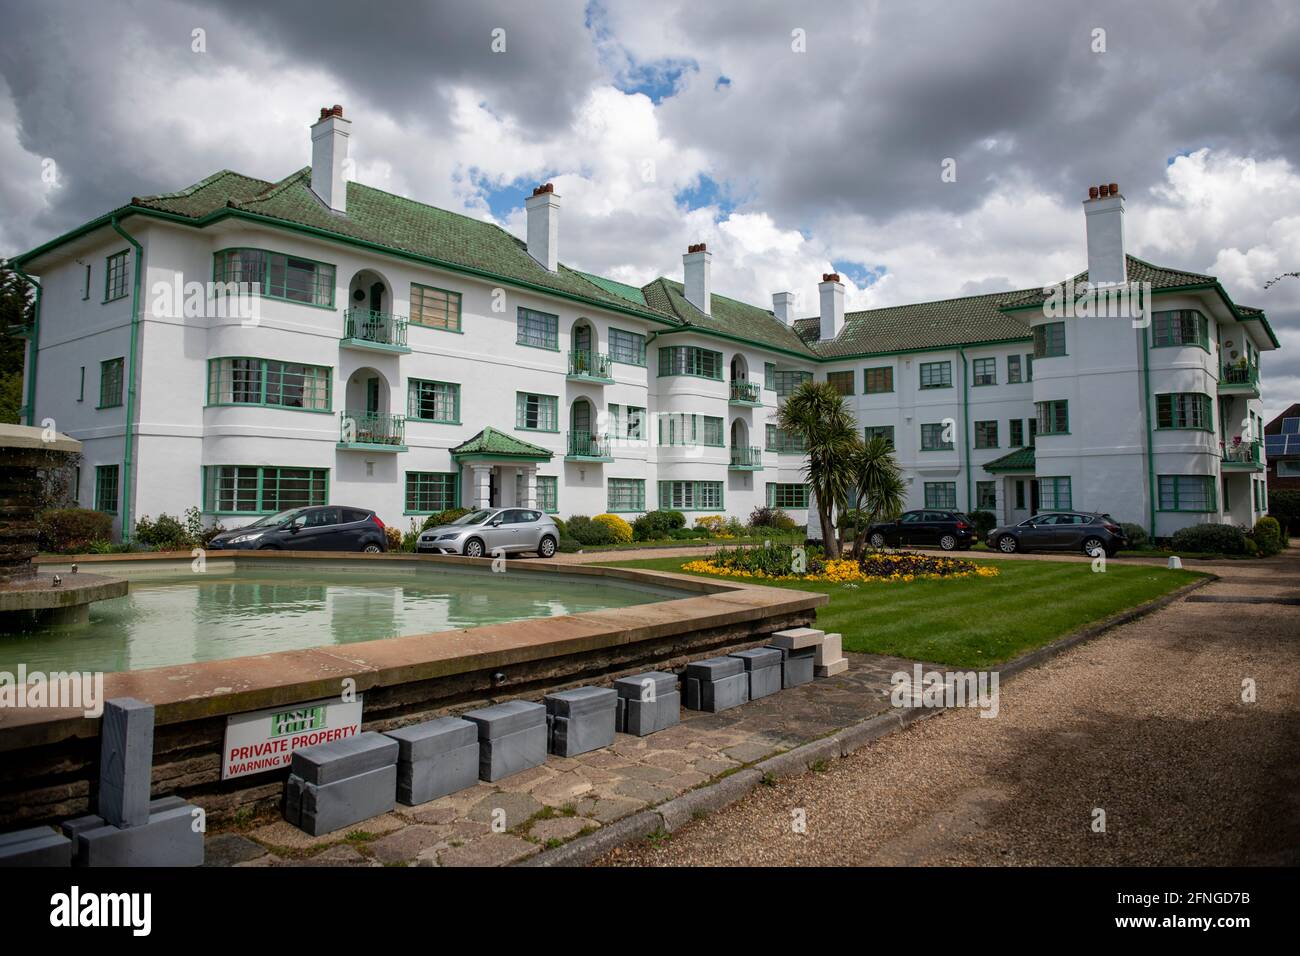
column 110, row 383
column 627, row 347
column 627, row 422
column 936, row 374
column 769, row 376
column 539, row 330
column 428, row 492
column 114, row 277
column 1013, row 369
column 1049, row 340
column 879, row 431
column 1029, row 368
column 683, row 429
column 435, row 308
column 262, row 489
column 106, row 477
column 986, row 495
column 876, row 381
column 842, row 382
column 548, row 493
column 941, row 494
column 277, row 275
column 1185, row 410
column 690, row 495
column 1180, row 327
column 984, row 371
column 537, row 413
column 787, row 496
column 270, row 382
column 625, row 495
column 428, row 401
column 932, row 437
column 986, row 434
column 1054, row 494
column 1187, row 493
column 782, row 442
column 690, row 360
column 1053, row 417
column 787, row 380
column 1016, row 438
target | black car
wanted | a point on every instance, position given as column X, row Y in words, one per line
column 948, row 529
column 1089, row 532
column 323, row 528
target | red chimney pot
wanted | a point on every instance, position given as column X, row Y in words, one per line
column 830, row 277
column 1114, row 189
column 1092, row 192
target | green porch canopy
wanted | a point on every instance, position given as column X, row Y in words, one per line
column 490, row 445
column 1020, row 460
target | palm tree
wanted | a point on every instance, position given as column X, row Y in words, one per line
column 818, row 414
column 879, row 488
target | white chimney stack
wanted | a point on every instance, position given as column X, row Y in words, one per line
column 832, row 302
column 329, row 157
column 699, row 284
column 782, row 303
column 543, row 208
column 1104, row 214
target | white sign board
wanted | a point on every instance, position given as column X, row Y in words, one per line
column 266, row 739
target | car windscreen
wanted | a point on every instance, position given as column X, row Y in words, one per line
column 279, row 518
column 475, row 517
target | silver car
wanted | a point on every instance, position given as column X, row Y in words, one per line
column 490, row 531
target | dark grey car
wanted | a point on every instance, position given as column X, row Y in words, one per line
column 1091, row 533
column 492, row 530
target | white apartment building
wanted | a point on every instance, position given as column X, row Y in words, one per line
column 408, row 359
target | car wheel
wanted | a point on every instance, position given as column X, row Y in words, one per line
column 877, row 540
column 1007, row 544
column 473, row 548
column 547, row 548
column 269, row 547
column 372, row 549
column 948, row 542
column 1093, row 545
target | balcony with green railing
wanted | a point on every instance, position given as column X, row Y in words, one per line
column 1240, row 378
column 1243, row 455
column 746, row 458
column 787, row 445
column 373, row 331
column 585, row 446
column 371, row 431
column 586, row 366
column 745, row 394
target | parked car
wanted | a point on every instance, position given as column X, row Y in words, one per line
column 322, row 528
column 489, row 530
column 1089, row 532
column 948, row 529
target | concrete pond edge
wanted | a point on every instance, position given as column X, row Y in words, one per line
column 671, row 815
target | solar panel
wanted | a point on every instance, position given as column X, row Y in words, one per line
column 1290, row 426
column 1275, row 445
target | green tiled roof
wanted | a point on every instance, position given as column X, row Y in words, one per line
column 1022, row 459
column 383, row 219
column 491, row 442
column 629, row 292
column 728, row 317
column 1138, row 271
column 924, row 325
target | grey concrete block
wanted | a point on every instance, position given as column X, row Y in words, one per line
column 757, row 657
column 581, row 733
column 344, row 758
column 501, row 756
column 646, row 686
column 36, row 846
column 580, row 700
column 796, row 667
column 714, row 668
column 423, row 780
column 725, row 693
column 507, row 718
column 125, row 761
column 798, row 638
column 333, row 806
column 644, row 717
column 691, row 685
column 432, row 737
column 764, row 681
column 167, row 838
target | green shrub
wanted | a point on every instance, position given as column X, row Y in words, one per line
column 560, row 526
column 444, row 517
column 984, row 522
column 771, row 518
column 590, row 533
column 1252, row 547
column 1136, row 534
column 72, row 530
column 569, row 545
column 656, row 525
column 1284, row 505
column 687, row 534
column 1211, row 538
column 1268, row 536
column 411, row 537
column 620, row 529
column 164, row 533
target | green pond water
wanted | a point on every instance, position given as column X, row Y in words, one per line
column 209, row 616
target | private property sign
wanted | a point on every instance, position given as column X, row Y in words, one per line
column 266, row 739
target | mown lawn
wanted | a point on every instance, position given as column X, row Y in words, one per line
column 973, row 622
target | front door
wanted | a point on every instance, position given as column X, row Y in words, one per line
column 1033, row 497
column 372, row 394
column 582, row 348
column 494, row 489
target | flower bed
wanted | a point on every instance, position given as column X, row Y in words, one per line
column 782, row 563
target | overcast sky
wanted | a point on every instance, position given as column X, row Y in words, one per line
column 793, row 137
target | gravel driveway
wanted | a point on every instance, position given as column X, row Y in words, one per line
column 1146, row 723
